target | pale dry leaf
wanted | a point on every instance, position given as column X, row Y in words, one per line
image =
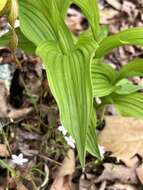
column 3, row 151
column 119, row 173
column 119, row 186
column 115, row 4
column 139, row 172
column 123, row 137
column 20, row 186
column 64, row 175
column 87, row 182
column 107, row 14
column 17, row 113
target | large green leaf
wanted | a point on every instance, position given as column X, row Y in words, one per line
column 63, row 6
column 67, row 65
column 91, row 12
column 33, row 22
column 128, row 105
column 23, row 42
column 41, row 21
column 69, row 80
column 103, row 79
column 133, row 68
column 124, row 86
column 92, row 144
column 133, row 36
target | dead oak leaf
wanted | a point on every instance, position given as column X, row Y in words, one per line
column 64, row 175
column 123, row 137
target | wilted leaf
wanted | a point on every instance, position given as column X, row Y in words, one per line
column 123, row 137
column 64, row 176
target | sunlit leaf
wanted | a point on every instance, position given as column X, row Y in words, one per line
column 90, row 10
column 125, row 86
column 70, row 83
column 128, row 105
column 133, row 36
column 103, row 79
column 92, row 144
column 133, row 68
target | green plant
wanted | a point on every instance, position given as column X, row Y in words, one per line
column 75, row 68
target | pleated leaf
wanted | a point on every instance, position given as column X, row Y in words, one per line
column 133, row 68
column 125, row 86
column 103, row 79
column 92, row 143
column 70, row 83
column 91, row 12
column 129, row 105
column 133, row 36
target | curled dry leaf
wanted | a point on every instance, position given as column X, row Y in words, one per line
column 3, row 151
column 123, row 137
column 64, row 175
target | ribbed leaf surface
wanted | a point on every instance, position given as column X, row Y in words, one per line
column 133, row 68
column 103, row 79
column 90, row 10
column 129, row 105
column 92, row 144
column 69, row 80
column 132, row 36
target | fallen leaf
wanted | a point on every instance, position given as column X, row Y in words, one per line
column 119, row 186
column 64, row 176
column 17, row 113
column 87, row 182
column 115, row 4
column 123, row 137
column 3, row 151
column 107, row 14
column 139, row 172
column 20, row 186
column 119, row 173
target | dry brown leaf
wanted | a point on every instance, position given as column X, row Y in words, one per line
column 64, row 176
column 123, row 137
column 87, row 182
column 3, row 151
column 107, row 14
column 119, row 173
column 115, row 4
column 119, row 186
column 17, row 113
column 139, row 172
column 20, row 186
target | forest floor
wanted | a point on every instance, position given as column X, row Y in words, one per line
column 34, row 152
